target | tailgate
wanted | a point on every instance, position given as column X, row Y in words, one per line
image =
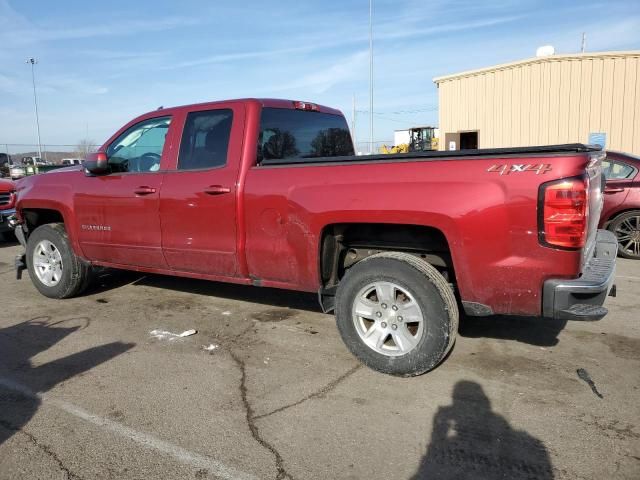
column 596, row 187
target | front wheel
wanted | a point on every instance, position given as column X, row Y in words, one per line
column 626, row 227
column 397, row 314
column 55, row 270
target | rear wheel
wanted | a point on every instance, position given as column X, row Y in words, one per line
column 627, row 228
column 54, row 268
column 397, row 314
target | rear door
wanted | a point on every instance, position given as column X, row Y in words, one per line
column 619, row 176
column 118, row 212
column 198, row 196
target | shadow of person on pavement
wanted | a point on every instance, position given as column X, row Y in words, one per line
column 22, row 381
column 470, row 441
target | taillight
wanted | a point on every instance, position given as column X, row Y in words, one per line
column 306, row 106
column 564, row 212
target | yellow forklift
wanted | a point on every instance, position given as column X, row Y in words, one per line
column 421, row 139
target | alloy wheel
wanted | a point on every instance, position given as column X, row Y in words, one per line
column 628, row 233
column 47, row 263
column 388, row 319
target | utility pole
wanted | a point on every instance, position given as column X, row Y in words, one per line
column 371, row 77
column 353, row 125
column 33, row 61
column 584, row 42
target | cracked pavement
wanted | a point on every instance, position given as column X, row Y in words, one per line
column 266, row 389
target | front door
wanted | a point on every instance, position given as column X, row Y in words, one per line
column 198, row 198
column 118, row 213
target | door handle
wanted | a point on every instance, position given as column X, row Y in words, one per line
column 216, row 190
column 144, row 190
column 613, row 190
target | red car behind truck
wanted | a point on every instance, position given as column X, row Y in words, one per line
column 621, row 210
column 269, row 193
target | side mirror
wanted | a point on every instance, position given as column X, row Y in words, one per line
column 96, row 163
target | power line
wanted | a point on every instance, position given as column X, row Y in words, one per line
column 395, row 119
column 402, row 112
column 386, row 115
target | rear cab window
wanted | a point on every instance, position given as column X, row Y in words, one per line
column 299, row 134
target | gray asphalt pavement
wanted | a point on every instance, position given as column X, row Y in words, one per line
column 100, row 387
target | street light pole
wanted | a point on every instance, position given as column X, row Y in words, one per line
column 371, row 76
column 33, row 61
column 353, row 126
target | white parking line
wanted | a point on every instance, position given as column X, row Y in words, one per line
column 187, row 457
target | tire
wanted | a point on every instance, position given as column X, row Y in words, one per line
column 406, row 282
column 49, row 247
column 626, row 228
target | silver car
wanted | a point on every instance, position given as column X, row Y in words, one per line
column 17, row 171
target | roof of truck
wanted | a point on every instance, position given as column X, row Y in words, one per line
column 264, row 102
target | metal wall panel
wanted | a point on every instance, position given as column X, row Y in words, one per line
column 541, row 101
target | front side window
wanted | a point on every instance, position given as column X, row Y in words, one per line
column 287, row 133
column 139, row 148
column 616, row 170
column 205, row 140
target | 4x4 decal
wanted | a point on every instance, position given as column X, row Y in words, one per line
column 538, row 168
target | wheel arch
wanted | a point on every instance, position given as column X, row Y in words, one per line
column 342, row 245
column 617, row 213
column 35, row 215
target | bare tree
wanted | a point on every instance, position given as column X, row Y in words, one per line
column 84, row 147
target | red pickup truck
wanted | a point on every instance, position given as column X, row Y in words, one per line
column 7, row 204
column 270, row 193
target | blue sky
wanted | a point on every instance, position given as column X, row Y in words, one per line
column 101, row 63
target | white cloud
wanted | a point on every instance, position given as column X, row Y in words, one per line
column 345, row 35
column 119, row 28
column 17, row 30
column 321, row 80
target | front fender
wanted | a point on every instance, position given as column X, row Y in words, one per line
column 57, row 198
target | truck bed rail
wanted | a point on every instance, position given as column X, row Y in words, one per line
column 439, row 155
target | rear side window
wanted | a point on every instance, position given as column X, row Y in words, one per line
column 616, row 170
column 286, row 133
column 205, row 139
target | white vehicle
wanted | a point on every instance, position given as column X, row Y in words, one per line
column 71, row 161
column 16, row 171
column 35, row 161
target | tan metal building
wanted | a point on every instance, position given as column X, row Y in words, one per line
column 542, row 101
